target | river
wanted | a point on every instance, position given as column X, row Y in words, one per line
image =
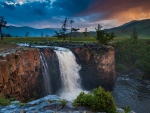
column 129, row 91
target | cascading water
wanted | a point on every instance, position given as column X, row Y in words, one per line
column 69, row 70
column 45, row 74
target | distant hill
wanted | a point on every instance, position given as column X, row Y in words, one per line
column 21, row 31
column 125, row 30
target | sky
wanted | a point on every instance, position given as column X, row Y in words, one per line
column 85, row 13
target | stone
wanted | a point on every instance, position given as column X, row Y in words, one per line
column 132, row 112
column 119, row 110
column 15, row 102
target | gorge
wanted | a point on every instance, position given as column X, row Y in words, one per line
column 33, row 73
column 54, row 67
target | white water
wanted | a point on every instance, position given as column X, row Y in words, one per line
column 45, row 74
column 69, row 70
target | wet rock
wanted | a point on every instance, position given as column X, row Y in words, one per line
column 132, row 112
column 15, row 102
column 47, row 104
column 119, row 110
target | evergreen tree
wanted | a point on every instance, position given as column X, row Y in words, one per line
column 134, row 34
column 2, row 24
column 85, row 33
column 72, row 29
column 27, row 34
column 42, row 34
column 62, row 32
column 102, row 36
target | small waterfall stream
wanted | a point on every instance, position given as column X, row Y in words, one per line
column 45, row 73
column 69, row 74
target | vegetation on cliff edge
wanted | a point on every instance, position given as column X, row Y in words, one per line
column 131, row 54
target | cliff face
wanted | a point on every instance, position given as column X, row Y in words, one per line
column 19, row 72
column 98, row 67
column 53, row 70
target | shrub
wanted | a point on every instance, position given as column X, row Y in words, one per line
column 121, row 67
column 4, row 102
column 63, row 102
column 100, row 100
column 133, row 53
column 126, row 109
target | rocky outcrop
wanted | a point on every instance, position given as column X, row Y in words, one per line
column 48, row 104
column 19, row 71
column 98, row 66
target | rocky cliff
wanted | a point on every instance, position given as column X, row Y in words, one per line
column 98, row 66
column 21, row 76
column 19, row 71
column 53, row 70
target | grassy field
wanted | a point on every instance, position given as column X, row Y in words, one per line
column 53, row 39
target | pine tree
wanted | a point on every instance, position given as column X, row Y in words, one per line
column 2, row 24
column 62, row 33
column 134, row 34
column 102, row 36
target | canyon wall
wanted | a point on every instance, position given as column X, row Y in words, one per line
column 21, row 75
column 53, row 70
column 19, row 72
column 98, row 66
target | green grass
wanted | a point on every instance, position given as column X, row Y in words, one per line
column 54, row 39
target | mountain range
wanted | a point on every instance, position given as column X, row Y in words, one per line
column 125, row 30
column 21, row 31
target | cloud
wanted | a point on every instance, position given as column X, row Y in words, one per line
column 121, row 10
column 86, row 13
column 36, row 12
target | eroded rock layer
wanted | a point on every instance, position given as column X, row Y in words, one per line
column 98, row 66
column 19, row 71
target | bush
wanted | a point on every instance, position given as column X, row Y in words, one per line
column 4, row 102
column 126, row 109
column 100, row 100
column 63, row 102
column 133, row 53
column 121, row 68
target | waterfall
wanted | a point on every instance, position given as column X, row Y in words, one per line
column 69, row 70
column 45, row 74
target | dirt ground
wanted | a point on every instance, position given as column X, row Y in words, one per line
column 6, row 46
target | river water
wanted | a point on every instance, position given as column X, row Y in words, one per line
column 129, row 91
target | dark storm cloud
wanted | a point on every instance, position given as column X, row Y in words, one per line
column 42, row 11
column 72, row 7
